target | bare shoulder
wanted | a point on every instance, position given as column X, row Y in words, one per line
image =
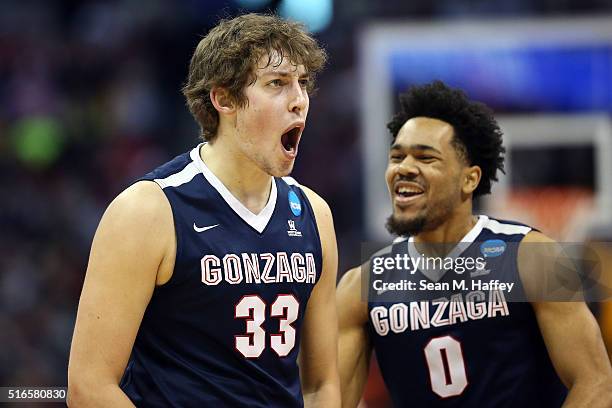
column 536, row 246
column 319, row 205
column 351, row 280
column 142, row 200
column 351, row 303
column 546, row 271
column 140, row 220
column 536, row 236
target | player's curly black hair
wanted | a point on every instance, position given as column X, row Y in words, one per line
column 478, row 137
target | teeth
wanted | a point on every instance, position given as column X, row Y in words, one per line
column 409, row 190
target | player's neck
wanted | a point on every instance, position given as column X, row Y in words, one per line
column 248, row 183
column 448, row 234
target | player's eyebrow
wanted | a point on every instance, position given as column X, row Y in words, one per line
column 285, row 74
column 418, row 147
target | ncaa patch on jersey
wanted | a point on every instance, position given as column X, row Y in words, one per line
column 492, row 248
column 294, row 204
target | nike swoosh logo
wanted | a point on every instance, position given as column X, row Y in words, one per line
column 198, row 229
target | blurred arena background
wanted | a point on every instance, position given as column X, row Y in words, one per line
column 90, row 99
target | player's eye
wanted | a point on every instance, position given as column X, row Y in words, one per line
column 275, row 83
column 427, row 158
column 396, row 158
column 304, row 83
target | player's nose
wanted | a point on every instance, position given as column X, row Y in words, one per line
column 298, row 101
column 408, row 166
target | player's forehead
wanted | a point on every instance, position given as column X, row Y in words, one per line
column 275, row 62
column 422, row 132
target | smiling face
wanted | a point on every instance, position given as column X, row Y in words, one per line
column 269, row 127
column 423, row 176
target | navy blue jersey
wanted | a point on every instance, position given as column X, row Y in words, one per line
column 471, row 344
column 224, row 331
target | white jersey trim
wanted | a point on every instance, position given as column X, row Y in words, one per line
column 291, row 181
column 257, row 221
column 177, row 179
column 462, row 245
column 507, row 229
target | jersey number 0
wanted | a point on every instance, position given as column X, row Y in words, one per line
column 444, row 358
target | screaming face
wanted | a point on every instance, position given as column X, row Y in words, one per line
column 270, row 126
column 291, row 138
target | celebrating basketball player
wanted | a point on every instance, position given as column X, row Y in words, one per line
column 459, row 335
column 210, row 275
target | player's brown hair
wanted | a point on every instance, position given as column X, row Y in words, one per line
column 227, row 56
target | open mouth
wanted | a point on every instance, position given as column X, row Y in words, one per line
column 290, row 139
column 408, row 192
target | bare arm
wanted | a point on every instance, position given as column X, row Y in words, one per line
column 318, row 350
column 353, row 343
column 571, row 334
column 132, row 250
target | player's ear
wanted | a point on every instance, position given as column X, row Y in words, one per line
column 471, row 178
column 222, row 101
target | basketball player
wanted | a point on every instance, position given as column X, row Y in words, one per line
column 469, row 347
column 209, row 276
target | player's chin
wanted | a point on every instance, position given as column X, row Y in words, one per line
column 283, row 169
column 402, row 216
column 403, row 208
column 407, row 213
